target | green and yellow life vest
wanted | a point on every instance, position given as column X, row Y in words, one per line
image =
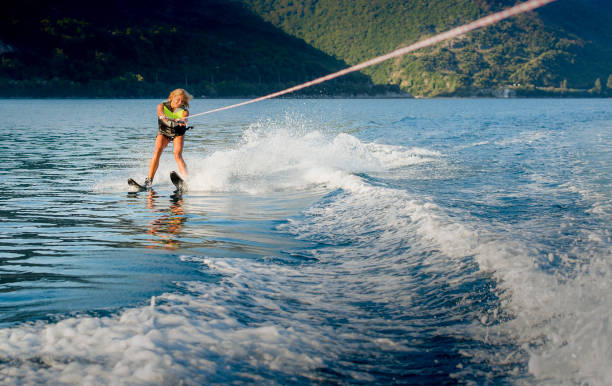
column 176, row 114
column 172, row 129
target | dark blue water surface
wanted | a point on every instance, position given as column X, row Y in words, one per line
column 319, row 241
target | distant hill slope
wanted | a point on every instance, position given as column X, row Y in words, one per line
column 564, row 48
column 146, row 48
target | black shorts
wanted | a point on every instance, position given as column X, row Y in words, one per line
column 172, row 133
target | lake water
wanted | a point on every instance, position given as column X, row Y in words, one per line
column 320, row 241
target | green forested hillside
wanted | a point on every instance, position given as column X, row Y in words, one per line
column 252, row 47
column 564, row 48
column 146, row 48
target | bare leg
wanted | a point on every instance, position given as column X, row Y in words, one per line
column 178, row 155
column 160, row 144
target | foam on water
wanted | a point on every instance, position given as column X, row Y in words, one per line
column 195, row 337
column 273, row 159
column 189, row 338
column 376, row 245
column 560, row 321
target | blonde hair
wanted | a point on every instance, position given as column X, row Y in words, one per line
column 184, row 95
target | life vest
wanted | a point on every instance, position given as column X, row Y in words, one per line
column 173, row 130
column 176, row 114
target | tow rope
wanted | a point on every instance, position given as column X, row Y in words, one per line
column 455, row 32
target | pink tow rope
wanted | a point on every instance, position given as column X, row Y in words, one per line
column 462, row 30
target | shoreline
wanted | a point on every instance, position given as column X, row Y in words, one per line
column 237, row 97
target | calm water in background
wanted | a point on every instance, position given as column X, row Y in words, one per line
column 343, row 241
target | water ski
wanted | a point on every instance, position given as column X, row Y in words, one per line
column 177, row 181
column 136, row 185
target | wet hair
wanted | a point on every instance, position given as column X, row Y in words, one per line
column 184, row 94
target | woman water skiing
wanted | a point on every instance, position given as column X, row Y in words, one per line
column 172, row 121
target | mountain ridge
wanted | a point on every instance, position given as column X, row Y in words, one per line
column 219, row 48
column 213, row 48
column 560, row 49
